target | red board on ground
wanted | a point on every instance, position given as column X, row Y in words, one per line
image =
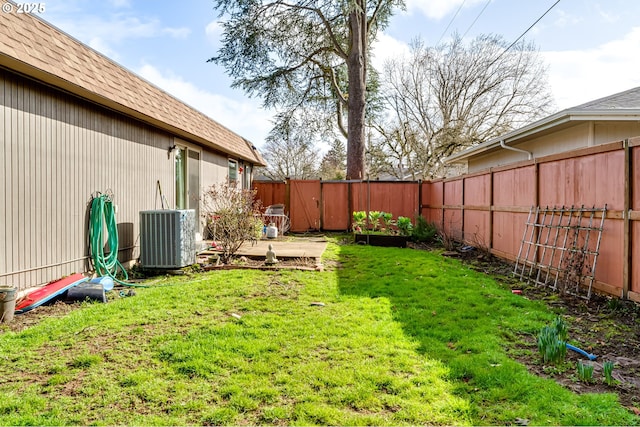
column 47, row 292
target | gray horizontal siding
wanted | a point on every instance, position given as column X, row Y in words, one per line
column 56, row 151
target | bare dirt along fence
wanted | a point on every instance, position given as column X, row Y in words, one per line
column 491, row 208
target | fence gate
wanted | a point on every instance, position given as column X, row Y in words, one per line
column 560, row 248
column 304, row 209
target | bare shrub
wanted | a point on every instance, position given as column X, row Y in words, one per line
column 232, row 216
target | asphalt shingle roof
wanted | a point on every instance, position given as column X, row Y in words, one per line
column 627, row 100
column 36, row 48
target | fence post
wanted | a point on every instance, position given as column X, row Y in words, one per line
column 287, row 196
column 462, row 209
column 419, row 198
column 490, row 209
column 627, row 250
column 349, row 203
column 321, row 206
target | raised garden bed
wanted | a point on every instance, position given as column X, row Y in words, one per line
column 387, row 240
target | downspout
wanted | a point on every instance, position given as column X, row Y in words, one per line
column 507, row 147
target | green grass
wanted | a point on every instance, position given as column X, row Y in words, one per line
column 405, row 338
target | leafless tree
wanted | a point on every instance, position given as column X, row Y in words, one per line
column 290, row 152
column 306, row 53
column 444, row 99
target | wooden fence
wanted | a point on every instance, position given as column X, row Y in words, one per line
column 490, row 208
column 328, row 205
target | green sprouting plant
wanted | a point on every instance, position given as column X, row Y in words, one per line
column 607, row 369
column 387, row 220
column 374, row 219
column 423, row 231
column 585, row 372
column 551, row 349
column 560, row 326
column 359, row 220
column 404, row 225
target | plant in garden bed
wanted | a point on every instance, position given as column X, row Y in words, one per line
column 552, row 342
column 359, row 221
column 374, row 219
column 377, row 235
column 405, row 227
column 607, row 371
column 232, row 214
column 424, row 231
column 387, row 221
column 585, row 372
column 379, row 222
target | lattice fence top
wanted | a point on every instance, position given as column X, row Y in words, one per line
column 560, row 248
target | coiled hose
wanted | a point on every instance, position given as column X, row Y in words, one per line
column 103, row 213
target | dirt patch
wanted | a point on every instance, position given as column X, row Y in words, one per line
column 54, row 310
column 604, row 326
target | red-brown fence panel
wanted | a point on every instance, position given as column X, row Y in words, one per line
column 304, row 205
column 336, row 215
column 477, row 210
column 270, row 192
column 514, row 193
column 452, row 215
column 635, row 225
column 432, row 202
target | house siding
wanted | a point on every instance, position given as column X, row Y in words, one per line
column 56, row 152
column 581, row 135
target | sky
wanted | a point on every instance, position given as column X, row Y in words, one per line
column 589, row 46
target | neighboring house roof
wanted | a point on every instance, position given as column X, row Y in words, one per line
column 39, row 50
column 623, row 106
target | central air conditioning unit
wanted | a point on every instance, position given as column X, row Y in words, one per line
column 167, row 238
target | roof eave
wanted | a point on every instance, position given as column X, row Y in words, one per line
column 30, row 71
column 557, row 119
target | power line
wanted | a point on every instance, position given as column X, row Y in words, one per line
column 451, row 22
column 477, row 17
column 526, row 31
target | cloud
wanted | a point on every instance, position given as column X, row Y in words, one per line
column 438, row 9
column 177, row 33
column 246, row 118
column 102, row 33
column 578, row 76
column 98, row 44
column 120, row 3
column 213, row 32
column 386, row 47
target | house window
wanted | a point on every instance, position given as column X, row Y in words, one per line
column 187, row 173
column 233, row 171
column 181, row 178
column 246, row 176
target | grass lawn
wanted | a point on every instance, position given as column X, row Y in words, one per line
column 404, row 337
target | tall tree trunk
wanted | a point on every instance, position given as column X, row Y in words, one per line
column 357, row 66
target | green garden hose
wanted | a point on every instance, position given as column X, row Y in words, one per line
column 103, row 213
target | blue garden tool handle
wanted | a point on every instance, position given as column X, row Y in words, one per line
column 582, row 352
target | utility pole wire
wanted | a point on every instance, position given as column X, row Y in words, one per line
column 477, row 17
column 451, row 22
column 525, row 32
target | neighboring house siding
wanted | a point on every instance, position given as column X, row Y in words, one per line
column 56, row 152
column 607, row 132
column 581, row 135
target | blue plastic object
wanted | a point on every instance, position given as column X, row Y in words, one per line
column 105, row 281
column 582, row 352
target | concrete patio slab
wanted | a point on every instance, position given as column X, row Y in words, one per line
column 302, row 248
column 299, row 248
